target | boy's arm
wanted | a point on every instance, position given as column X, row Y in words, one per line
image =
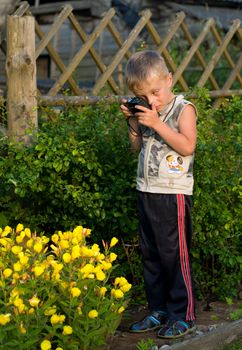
column 184, row 141
column 134, row 135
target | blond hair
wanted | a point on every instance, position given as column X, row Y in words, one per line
column 142, row 65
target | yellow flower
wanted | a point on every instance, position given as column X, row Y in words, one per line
column 16, row 249
column 19, row 228
column 67, row 330
column 6, row 231
column 24, row 259
column 57, row 267
column 74, row 241
column 120, row 281
column 85, row 251
column 34, row 301
column 59, row 348
column 31, row 311
column 45, row 345
column 57, row 319
column 38, row 270
column 5, row 242
column 121, row 309
column 113, row 242
column 102, row 291
column 75, row 292
column 95, row 249
column 100, row 256
column 93, row 314
column 86, row 232
column 55, row 238
column 66, row 258
column 22, row 329
column 4, row 319
column 112, row 257
column 78, row 230
column 18, row 302
column 30, row 243
column 64, row 244
column 87, row 269
column 27, row 232
column 7, row 273
column 117, row 293
column 50, row 311
column 126, row 287
column 15, row 276
column 17, row 267
column 76, row 251
column 20, row 238
column 100, row 275
column 106, row 265
column 38, row 247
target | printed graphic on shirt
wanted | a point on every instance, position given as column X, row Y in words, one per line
column 174, row 164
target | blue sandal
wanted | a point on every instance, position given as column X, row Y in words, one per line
column 176, row 329
column 151, row 322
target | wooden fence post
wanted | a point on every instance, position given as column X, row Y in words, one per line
column 21, row 78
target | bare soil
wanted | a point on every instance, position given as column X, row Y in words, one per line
column 207, row 319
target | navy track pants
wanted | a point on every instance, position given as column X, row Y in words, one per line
column 165, row 238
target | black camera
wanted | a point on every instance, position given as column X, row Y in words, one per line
column 133, row 101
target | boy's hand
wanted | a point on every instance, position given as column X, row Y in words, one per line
column 125, row 109
column 147, row 117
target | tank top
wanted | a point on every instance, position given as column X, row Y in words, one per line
column 160, row 168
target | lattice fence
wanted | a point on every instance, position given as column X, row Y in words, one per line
column 208, row 52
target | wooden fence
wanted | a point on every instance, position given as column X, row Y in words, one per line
column 208, row 52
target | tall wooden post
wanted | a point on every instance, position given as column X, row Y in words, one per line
column 21, row 78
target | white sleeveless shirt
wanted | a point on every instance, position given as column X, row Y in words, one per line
column 160, row 168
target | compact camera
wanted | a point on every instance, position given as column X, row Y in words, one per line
column 133, row 101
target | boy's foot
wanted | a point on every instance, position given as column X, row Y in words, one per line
column 176, row 329
column 151, row 322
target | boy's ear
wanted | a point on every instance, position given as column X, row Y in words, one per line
column 170, row 79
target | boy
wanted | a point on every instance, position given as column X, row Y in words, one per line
column 165, row 136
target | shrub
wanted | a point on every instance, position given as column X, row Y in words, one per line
column 81, row 157
column 217, row 243
column 58, row 293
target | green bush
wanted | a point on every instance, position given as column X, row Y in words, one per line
column 217, row 243
column 81, row 171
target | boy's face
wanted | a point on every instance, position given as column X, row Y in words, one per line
column 156, row 90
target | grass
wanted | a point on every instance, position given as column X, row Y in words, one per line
column 236, row 345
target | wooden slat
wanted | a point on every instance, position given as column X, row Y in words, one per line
column 58, row 61
column 162, row 49
column 172, row 31
column 230, row 80
column 81, row 53
column 198, row 53
column 233, row 74
column 22, row 9
column 218, row 53
column 239, row 32
column 226, row 53
column 96, row 57
column 54, row 29
column 192, row 50
column 120, row 54
column 117, row 37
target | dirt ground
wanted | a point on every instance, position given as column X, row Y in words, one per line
column 206, row 320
